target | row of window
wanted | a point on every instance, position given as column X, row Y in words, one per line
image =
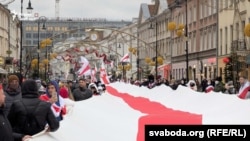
column 208, row 72
column 228, row 34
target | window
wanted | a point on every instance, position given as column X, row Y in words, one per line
column 194, row 14
column 226, row 41
column 43, row 35
column 215, row 36
column 221, row 43
column 194, row 43
column 35, row 42
column 201, row 12
column 201, row 41
column 205, row 39
column 35, row 35
column 28, row 35
column 238, row 31
column 208, row 38
column 215, row 7
column 28, row 42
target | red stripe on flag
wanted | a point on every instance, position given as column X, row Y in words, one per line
column 157, row 113
column 84, row 70
column 244, row 93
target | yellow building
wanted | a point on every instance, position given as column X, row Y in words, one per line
column 233, row 45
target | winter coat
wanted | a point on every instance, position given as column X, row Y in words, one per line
column 5, row 128
column 82, row 93
column 219, row 87
column 11, row 96
column 30, row 103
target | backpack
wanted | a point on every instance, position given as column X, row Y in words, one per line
column 31, row 125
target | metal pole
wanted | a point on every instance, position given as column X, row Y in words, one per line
column 138, row 59
column 186, row 35
column 21, row 40
column 46, row 57
column 123, row 63
column 156, row 52
column 38, row 48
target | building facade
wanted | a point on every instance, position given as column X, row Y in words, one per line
column 200, row 40
column 9, row 41
column 233, row 48
column 198, row 49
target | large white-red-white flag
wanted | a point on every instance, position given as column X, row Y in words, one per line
column 141, row 107
column 103, row 75
column 125, row 58
column 85, row 68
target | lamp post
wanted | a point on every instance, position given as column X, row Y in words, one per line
column 156, row 46
column 138, row 58
column 29, row 9
column 43, row 20
column 186, row 35
column 46, row 57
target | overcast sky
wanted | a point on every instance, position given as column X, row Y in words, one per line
column 109, row 9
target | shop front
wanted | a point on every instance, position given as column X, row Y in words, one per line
column 165, row 71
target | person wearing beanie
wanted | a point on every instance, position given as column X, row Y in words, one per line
column 30, row 115
column 12, row 92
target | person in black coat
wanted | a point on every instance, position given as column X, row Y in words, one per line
column 30, row 115
column 6, row 133
column 82, row 92
column 12, row 92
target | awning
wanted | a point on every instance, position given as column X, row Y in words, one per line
column 3, row 71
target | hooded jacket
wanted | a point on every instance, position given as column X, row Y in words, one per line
column 58, row 108
column 30, row 103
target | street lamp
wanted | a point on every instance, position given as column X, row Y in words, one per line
column 42, row 20
column 29, row 9
column 156, row 46
column 138, row 58
column 186, row 36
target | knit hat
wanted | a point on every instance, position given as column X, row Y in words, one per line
column 12, row 77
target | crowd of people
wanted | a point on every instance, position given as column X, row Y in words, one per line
column 31, row 106
column 206, row 85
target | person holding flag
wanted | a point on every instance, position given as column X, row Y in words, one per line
column 85, row 67
column 93, row 74
column 244, row 91
column 103, row 75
